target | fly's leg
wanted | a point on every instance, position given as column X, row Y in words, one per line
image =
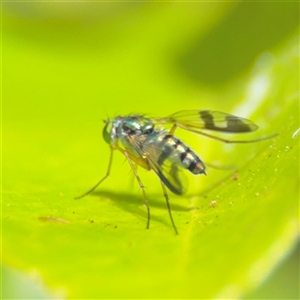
column 174, row 127
column 132, row 178
column 168, row 206
column 238, row 141
column 172, row 130
column 140, row 184
column 98, row 183
column 226, row 140
column 222, row 167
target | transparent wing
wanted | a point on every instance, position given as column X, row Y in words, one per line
column 168, row 170
column 171, row 174
column 209, row 120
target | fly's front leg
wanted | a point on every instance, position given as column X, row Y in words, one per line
column 140, row 184
column 168, row 206
column 98, row 183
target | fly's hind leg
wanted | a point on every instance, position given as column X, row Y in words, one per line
column 98, row 183
column 172, row 130
column 168, row 206
column 133, row 168
column 226, row 140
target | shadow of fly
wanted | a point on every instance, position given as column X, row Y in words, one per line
column 146, row 142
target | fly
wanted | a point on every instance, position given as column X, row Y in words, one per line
column 147, row 143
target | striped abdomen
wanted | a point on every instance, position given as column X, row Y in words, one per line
column 176, row 151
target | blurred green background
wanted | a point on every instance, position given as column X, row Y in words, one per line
column 66, row 67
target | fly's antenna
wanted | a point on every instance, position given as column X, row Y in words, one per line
column 105, row 110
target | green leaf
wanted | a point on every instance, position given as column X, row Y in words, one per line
column 235, row 224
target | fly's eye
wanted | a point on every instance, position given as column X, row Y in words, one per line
column 106, row 133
